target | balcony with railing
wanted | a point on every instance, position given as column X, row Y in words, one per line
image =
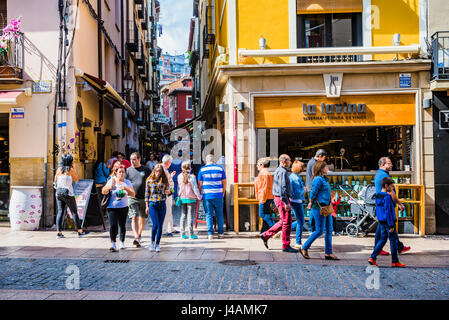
column 440, row 55
column 11, row 60
column 132, row 37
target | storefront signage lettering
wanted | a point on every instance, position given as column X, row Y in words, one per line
column 334, row 111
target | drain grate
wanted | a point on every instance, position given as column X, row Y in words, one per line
column 239, row 262
column 116, row 261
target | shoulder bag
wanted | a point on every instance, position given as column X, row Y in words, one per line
column 326, row 210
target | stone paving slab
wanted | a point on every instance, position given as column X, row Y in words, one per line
column 191, row 278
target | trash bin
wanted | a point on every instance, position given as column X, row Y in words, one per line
column 25, row 208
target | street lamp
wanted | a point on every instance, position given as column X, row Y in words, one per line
column 147, row 101
column 128, row 82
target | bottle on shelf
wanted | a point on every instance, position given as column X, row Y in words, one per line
column 364, row 181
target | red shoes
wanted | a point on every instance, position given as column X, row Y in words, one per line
column 384, row 253
column 372, row 262
column 405, row 249
column 398, row 265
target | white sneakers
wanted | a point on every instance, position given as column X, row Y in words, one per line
column 220, row 236
column 210, row 237
column 121, row 245
column 158, row 249
column 113, row 247
column 154, row 247
column 151, row 248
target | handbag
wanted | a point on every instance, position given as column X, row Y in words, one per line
column 178, row 201
column 326, row 210
column 105, row 201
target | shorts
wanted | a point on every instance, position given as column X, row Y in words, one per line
column 136, row 208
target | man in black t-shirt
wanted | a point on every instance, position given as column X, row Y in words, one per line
column 137, row 175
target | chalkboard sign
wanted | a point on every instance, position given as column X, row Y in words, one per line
column 200, row 213
column 87, row 202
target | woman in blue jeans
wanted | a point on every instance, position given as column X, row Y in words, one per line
column 297, row 199
column 320, row 193
column 156, row 190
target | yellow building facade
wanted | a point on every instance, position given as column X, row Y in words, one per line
column 344, row 74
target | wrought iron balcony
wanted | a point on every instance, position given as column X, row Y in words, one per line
column 132, row 39
column 440, row 55
column 11, row 61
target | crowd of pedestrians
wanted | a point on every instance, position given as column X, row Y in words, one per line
column 286, row 189
column 138, row 192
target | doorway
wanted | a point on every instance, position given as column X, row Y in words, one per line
column 4, row 166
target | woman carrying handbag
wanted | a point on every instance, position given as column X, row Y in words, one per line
column 321, row 209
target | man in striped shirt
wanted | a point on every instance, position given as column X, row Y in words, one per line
column 212, row 183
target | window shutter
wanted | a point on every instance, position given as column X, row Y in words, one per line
column 328, row 6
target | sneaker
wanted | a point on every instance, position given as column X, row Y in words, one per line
column 290, row 249
column 136, row 242
column 184, row 236
column 151, row 248
column 372, row 262
column 82, row 234
column 113, row 247
column 297, row 246
column 220, row 236
column 176, row 231
column 383, row 253
column 168, row 234
column 60, row 236
column 193, row 236
column 398, row 265
column 404, row 250
column 210, row 237
column 122, row 245
column 265, row 240
column 158, row 249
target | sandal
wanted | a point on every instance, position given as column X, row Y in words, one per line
column 331, row 257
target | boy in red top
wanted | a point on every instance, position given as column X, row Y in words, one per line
column 335, row 204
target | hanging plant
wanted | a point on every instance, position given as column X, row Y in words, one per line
column 9, row 33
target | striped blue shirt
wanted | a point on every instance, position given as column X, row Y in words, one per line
column 211, row 176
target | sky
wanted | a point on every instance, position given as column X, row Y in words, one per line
column 175, row 19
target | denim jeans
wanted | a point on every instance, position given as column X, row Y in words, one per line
column 157, row 214
column 298, row 211
column 212, row 206
column 187, row 218
column 399, row 244
column 384, row 233
column 322, row 224
column 265, row 214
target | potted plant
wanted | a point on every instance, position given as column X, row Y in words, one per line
column 9, row 34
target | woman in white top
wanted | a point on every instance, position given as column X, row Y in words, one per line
column 64, row 178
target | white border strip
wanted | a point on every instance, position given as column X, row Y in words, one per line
column 292, row 28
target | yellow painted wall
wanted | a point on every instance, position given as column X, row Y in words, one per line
column 262, row 18
column 398, row 16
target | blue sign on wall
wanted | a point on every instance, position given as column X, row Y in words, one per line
column 405, row 80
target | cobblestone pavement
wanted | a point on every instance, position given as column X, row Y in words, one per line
column 229, row 277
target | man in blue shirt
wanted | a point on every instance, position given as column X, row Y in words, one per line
column 385, row 166
column 212, row 183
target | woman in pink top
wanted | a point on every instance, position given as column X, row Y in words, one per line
column 188, row 195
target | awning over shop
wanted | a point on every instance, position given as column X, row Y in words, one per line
column 9, row 97
column 105, row 89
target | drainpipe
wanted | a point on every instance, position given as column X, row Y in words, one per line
column 100, row 61
column 236, row 167
column 57, row 94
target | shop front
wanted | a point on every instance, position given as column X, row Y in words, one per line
column 357, row 112
column 355, row 130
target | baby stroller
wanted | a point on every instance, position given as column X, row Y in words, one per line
column 364, row 209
